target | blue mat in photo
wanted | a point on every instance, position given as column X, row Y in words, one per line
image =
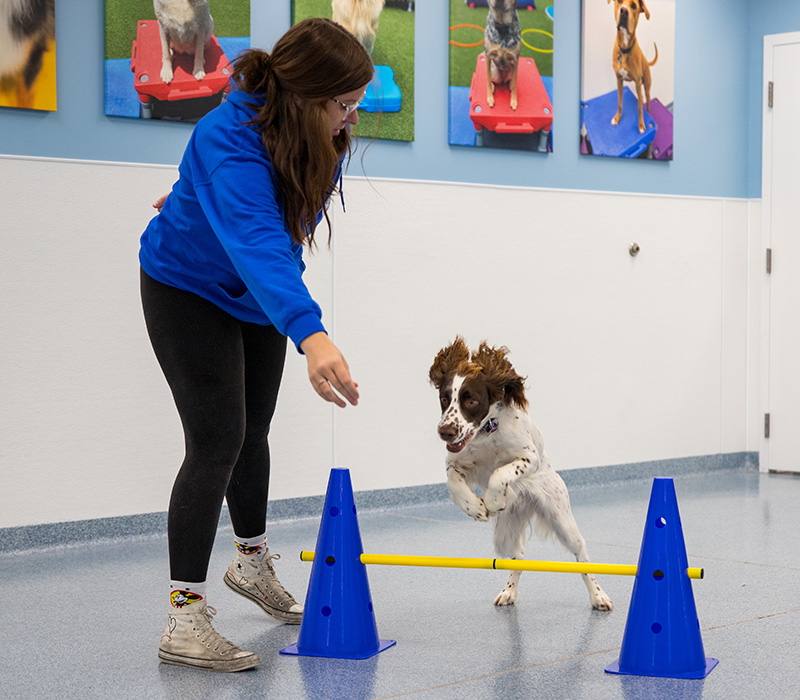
column 121, row 97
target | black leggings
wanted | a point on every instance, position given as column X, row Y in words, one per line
column 224, row 375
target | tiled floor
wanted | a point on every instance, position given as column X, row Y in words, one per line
column 84, row 621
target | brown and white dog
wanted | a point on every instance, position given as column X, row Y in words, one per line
column 185, row 27
column 26, row 26
column 360, row 18
column 502, row 41
column 494, row 446
column 628, row 58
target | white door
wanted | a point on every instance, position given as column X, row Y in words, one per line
column 781, row 204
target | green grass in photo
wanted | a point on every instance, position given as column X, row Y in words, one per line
column 394, row 47
column 231, row 18
column 537, row 31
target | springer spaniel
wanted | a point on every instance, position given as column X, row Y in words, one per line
column 494, row 446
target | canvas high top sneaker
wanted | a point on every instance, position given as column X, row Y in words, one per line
column 255, row 579
column 190, row 639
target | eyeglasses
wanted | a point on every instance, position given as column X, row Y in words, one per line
column 348, row 109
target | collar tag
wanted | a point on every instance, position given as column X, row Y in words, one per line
column 490, row 426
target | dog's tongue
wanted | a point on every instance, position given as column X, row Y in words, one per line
column 456, row 446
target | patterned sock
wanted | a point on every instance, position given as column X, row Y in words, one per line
column 183, row 593
column 251, row 546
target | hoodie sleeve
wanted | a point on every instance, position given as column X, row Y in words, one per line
column 239, row 198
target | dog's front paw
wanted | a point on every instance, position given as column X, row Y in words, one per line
column 495, row 501
column 615, row 119
column 475, row 509
column 514, row 102
column 166, row 74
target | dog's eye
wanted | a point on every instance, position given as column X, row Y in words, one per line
column 470, row 403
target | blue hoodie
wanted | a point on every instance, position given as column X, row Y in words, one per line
column 221, row 233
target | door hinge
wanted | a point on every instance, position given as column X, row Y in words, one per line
column 770, row 93
column 769, row 261
column 766, row 425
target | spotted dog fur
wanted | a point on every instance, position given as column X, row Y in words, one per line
column 494, row 446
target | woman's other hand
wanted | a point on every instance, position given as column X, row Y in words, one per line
column 160, row 202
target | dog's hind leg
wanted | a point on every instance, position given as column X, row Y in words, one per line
column 555, row 516
column 509, row 534
column 566, row 529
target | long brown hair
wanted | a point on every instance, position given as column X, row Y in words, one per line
column 315, row 60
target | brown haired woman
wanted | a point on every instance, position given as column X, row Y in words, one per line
column 222, row 288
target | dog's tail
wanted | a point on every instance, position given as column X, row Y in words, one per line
column 653, row 62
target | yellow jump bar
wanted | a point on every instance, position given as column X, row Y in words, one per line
column 507, row 564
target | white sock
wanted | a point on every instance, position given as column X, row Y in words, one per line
column 251, row 546
column 183, row 593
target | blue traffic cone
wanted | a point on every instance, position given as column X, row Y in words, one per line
column 338, row 619
column 662, row 633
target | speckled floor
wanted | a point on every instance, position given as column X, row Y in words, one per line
column 84, row 621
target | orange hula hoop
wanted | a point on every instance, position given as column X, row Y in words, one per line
column 466, row 46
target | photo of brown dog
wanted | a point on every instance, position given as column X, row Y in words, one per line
column 629, row 110
column 628, row 60
column 502, row 42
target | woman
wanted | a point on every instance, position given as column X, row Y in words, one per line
column 222, row 289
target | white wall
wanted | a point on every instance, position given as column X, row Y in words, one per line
column 628, row 359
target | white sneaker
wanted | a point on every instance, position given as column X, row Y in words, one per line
column 256, row 581
column 189, row 639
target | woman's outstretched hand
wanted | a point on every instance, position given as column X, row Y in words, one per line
column 328, row 371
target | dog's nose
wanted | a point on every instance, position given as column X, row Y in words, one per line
column 447, row 432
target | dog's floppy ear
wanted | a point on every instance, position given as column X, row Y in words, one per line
column 644, row 9
column 447, row 360
column 499, row 373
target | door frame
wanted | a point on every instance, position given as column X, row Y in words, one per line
column 770, row 42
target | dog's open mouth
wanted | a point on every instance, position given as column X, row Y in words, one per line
column 458, row 446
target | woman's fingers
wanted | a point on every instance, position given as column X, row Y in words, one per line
column 335, row 388
column 328, row 371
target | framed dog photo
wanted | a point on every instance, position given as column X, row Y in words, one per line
column 386, row 29
column 28, row 54
column 162, row 62
column 628, row 78
column 501, row 74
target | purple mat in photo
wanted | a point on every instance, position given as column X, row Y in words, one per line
column 662, row 143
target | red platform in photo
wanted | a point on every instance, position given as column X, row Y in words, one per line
column 146, row 67
column 534, row 110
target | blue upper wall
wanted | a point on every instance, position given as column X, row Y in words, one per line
column 718, row 76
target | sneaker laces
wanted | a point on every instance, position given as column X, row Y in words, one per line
column 209, row 636
column 267, row 574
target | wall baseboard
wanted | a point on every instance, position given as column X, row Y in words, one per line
column 146, row 525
